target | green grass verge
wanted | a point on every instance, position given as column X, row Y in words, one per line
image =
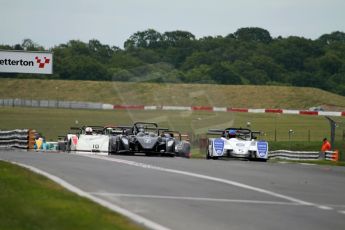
column 31, row 201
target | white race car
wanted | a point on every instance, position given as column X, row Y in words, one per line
column 236, row 143
column 90, row 139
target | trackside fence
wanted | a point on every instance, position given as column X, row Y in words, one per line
column 18, row 138
column 53, row 104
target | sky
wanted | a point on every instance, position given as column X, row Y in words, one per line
column 53, row 22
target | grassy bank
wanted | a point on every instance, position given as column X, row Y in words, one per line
column 30, row 201
column 243, row 96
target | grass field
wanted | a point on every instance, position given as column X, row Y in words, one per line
column 243, row 96
column 30, row 201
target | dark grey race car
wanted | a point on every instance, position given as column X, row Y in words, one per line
column 149, row 139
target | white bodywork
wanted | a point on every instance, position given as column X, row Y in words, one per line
column 234, row 147
column 90, row 143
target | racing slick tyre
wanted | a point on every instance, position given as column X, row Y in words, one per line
column 208, row 157
column 113, row 145
column 169, row 154
column 62, row 146
column 262, row 160
column 185, row 151
column 68, row 146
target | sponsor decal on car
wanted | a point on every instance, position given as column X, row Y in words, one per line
column 218, row 145
column 75, row 140
column 262, row 148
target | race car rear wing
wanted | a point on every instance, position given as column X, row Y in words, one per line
column 176, row 134
column 222, row 131
column 163, row 130
column 124, row 127
column 215, row 131
column 256, row 132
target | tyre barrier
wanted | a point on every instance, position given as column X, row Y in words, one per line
column 332, row 155
column 18, row 138
column 304, row 155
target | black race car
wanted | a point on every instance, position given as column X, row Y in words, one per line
column 147, row 138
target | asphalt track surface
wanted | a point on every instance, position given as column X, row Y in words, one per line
column 177, row 193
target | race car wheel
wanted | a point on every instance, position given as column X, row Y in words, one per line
column 185, row 152
column 68, row 146
column 113, row 145
column 262, row 160
column 208, row 155
column 252, row 156
column 169, row 154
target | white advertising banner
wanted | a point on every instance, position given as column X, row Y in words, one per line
column 26, row 62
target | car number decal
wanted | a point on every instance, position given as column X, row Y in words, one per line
column 147, row 140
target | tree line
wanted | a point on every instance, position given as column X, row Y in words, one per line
column 248, row 56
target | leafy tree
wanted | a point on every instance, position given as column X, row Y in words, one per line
column 29, row 45
column 252, row 34
column 221, row 74
column 76, row 47
column 124, row 60
column 199, row 74
column 334, row 37
column 272, row 70
column 18, row 47
column 330, row 63
column 6, row 47
column 83, row 68
column 293, row 51
column 145, row 39
column 101, row 52
column 197, row 59
column 173, row 38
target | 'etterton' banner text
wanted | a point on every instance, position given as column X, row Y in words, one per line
column 26, row 62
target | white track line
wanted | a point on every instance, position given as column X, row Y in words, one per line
column 201, row 176
column 135, row 217
column 193, row 198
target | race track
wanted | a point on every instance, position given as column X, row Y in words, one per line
column 177, row 193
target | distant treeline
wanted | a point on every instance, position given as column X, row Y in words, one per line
column 248, row 56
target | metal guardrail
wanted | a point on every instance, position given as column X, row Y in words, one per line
column 304, row 155
column 51, row 104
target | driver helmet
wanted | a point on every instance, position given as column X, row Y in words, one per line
column 88, row 130
column 232, row 133
column 141, row 130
